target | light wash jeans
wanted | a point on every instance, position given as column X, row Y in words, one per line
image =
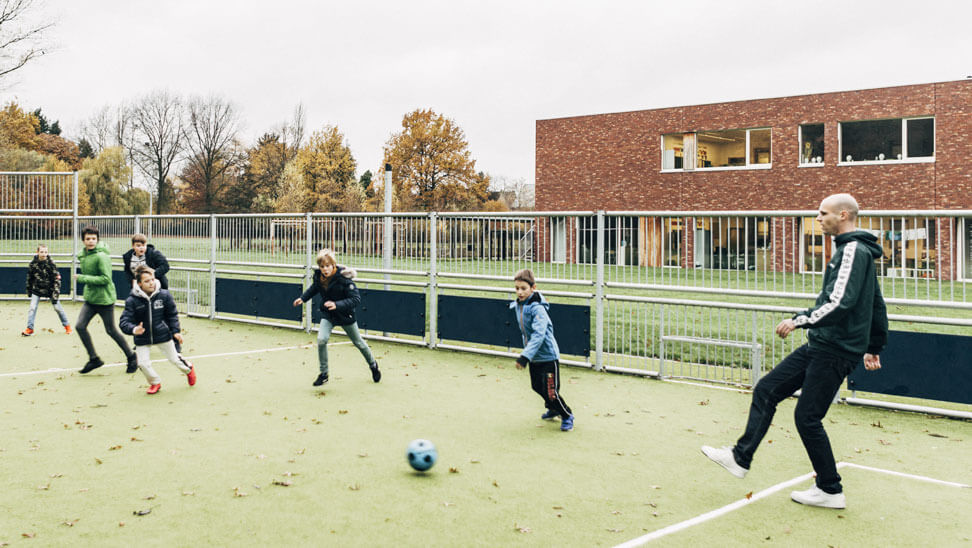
column 32, row 313
column 324, row 333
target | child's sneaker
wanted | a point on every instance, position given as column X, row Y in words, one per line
column 67, row 329
column 93, row 363
column 567, row 424
column 549, row 415
column 191, row 375
column 375, row 373
column 27, row 332
column 154, row 388
column 724, row 457
column 816, row 496
column 321, row 379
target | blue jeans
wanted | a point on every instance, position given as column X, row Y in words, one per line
column 819, row 375
column 32, row 313
column 324, row 333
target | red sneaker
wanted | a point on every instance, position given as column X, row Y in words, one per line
column 27, row 332
column 154, row 388
column 191, row 375
column 67, row 329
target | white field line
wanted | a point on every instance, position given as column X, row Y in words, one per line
column 674, row 528
column 196, row 357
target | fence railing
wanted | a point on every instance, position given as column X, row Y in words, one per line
column 680, row 294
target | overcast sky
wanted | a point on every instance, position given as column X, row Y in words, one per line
column 495, row 67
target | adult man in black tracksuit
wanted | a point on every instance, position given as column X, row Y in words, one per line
column 848, row 322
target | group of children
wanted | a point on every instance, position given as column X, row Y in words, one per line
column 150, row 312
column 152, row 318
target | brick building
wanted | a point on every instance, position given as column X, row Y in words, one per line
column 907, row 147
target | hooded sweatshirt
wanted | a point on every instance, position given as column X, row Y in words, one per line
column 156, row 312
column 96, row 275
column 849, row 317
column 340, row 289
column 539, row 344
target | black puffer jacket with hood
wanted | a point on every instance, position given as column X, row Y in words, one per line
column 156, row 312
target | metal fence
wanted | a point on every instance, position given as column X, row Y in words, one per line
column 40, row 192
column 676, row 294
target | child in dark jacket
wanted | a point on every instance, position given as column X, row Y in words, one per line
column 339, row 298
column 540, row 348
column 150, row 314
column 43, row 282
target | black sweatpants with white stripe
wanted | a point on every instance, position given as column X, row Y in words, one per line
column 545, row 378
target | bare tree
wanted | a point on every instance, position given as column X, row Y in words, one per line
column 214, row 157
column 20, row 40
column 157, row 129
column 293, row 133
column 113, row 126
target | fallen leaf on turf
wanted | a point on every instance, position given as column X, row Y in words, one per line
column 749, row 495
column 877, row 424
column 83, row 490
column 342, row 411
column 354, row 487
column 453, row 469
column 145, row 512
column 704, row 402
column 44, row 487
column 934, row 435
column 884, row 442
column 121, row 523
column 616, row 530
column 521, row 529
column 558, row 507
column 136, row 439
column 150, row 497
column 474, row 461
column 238, row 493
column 97, row 461
column 284, row 483
column 114, row 447
column 28, row 535
column 69, row 523
column 615, row 512
column 495, row 484
column 188, row 493
column 56, row 475
column 447, row 504
column 301, row 451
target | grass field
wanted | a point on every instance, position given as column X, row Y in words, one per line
column 254, row 455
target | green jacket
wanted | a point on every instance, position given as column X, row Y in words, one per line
column 96, row 275
column 849, row 317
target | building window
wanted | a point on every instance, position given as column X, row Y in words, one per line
column 967, row 249
column 558, row 239
column 733, row 148
column 811, row 144
column 673, row 150
column 891, row 140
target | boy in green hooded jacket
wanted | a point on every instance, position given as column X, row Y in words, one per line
column 99, row 298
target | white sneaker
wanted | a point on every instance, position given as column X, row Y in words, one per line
column 723, row 457
column 814, row 496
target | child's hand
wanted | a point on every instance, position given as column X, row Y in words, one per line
column 138, row 330
column 519, row 365
column 298, row 301
column 330, row 305
column 178, row 337
column 59, row 277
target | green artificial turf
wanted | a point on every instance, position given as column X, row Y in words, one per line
column 255, row 455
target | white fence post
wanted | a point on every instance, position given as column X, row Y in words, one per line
column 599, row 295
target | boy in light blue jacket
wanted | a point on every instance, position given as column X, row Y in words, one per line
column 540, row 349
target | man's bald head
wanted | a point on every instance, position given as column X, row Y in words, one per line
column 842, row 202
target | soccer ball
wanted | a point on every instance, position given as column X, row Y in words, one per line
column 421, row 454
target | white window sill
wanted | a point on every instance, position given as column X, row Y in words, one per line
column 732, row 168
column 821, row 164
column 888, row 162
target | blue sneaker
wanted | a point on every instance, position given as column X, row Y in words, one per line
column 550, row 414
column 567, row 423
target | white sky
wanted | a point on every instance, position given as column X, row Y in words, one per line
column 495, row 67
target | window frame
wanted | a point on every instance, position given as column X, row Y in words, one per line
column 823, row 157
column 841, row 159
column 695, row 147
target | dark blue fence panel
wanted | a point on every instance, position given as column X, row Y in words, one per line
column 921, row 365
column 258, row 299
column 490, row 321
column 13, row 280
column 386, row 311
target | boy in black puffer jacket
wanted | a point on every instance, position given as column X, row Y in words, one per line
column 339, row 298
column 43, row 281
column 150, row 314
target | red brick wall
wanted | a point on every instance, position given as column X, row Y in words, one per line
column 613, row 161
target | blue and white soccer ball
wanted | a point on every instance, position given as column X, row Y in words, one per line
column 421, row 455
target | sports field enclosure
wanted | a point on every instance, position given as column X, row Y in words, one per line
column 664, row 340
